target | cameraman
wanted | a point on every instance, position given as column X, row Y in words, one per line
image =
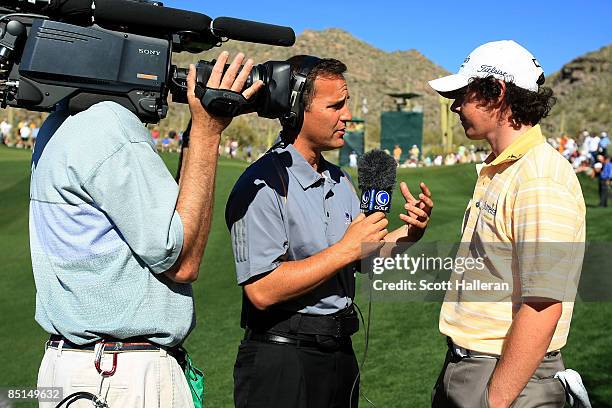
column 297, row 234
column 116, row 244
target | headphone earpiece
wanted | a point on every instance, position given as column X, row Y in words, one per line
column 294, row 119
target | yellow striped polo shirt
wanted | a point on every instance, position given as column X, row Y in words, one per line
column 526, row 222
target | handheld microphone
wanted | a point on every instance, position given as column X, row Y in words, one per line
column 376, row 171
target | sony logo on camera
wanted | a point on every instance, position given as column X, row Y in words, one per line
column 376, row 200
column 146, row 51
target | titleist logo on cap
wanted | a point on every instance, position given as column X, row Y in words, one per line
column 504, row 59
column 491, row 70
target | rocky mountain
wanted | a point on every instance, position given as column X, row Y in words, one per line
column 372, row 73
column 583, row 88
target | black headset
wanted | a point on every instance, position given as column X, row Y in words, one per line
column 293, row 120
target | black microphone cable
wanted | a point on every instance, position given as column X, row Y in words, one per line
column 377, row 173
column 366, row 346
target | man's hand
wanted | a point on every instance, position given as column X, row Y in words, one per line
column 528, row 339
column 417, row 211
column 199, row 163
column 295, row 278
column 232, row 80
column 364, row 230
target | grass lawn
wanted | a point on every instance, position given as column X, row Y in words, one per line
column 406, row 350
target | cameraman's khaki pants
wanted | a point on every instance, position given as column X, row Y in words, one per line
column 463, row 383
column 142, row 379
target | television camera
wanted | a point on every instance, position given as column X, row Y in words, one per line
column 88, row 51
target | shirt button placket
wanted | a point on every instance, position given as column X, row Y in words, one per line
column 325, row 204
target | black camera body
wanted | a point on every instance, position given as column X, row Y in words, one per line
column 89, row 64
column 44, row 60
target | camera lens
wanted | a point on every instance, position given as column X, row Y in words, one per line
column 271, row 101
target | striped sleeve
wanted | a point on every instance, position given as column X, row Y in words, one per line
column 546, row 225
column 257, row 229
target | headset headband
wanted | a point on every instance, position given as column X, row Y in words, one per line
column 294, row 119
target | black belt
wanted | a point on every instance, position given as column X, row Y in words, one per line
column 109, row 345
column 341, row 324
column 314, row 341
column 278, row 339
column 461, row 352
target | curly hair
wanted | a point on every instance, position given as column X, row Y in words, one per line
column 527, row 107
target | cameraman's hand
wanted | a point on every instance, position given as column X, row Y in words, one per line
column 369, row 230
column 232, row 80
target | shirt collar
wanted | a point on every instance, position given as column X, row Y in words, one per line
column 525, row 142
column 303, row 171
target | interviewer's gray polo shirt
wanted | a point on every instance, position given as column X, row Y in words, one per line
column 281, row 209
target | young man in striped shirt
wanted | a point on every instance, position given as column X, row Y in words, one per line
column 526, row 220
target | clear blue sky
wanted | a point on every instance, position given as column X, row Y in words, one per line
column 444, row 31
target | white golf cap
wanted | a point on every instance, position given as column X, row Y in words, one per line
column 505, row 60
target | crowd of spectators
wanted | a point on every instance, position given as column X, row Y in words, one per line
column 470, row 154
column 232, row 149
column 583, row 151
column 171, row 141
column 22, row 136
column 588, row 154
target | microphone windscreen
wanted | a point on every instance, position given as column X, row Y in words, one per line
column 70, row 11
column 130, row 12
column 253, row 31
column 376, row 170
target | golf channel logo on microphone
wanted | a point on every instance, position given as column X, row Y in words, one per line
column 376, row 200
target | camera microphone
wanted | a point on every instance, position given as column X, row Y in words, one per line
column 139, row 13
column 244, row 30
column 144, row 14
column 138, row 39
column 68, row 10
column 377, row 172
column 154, row 16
